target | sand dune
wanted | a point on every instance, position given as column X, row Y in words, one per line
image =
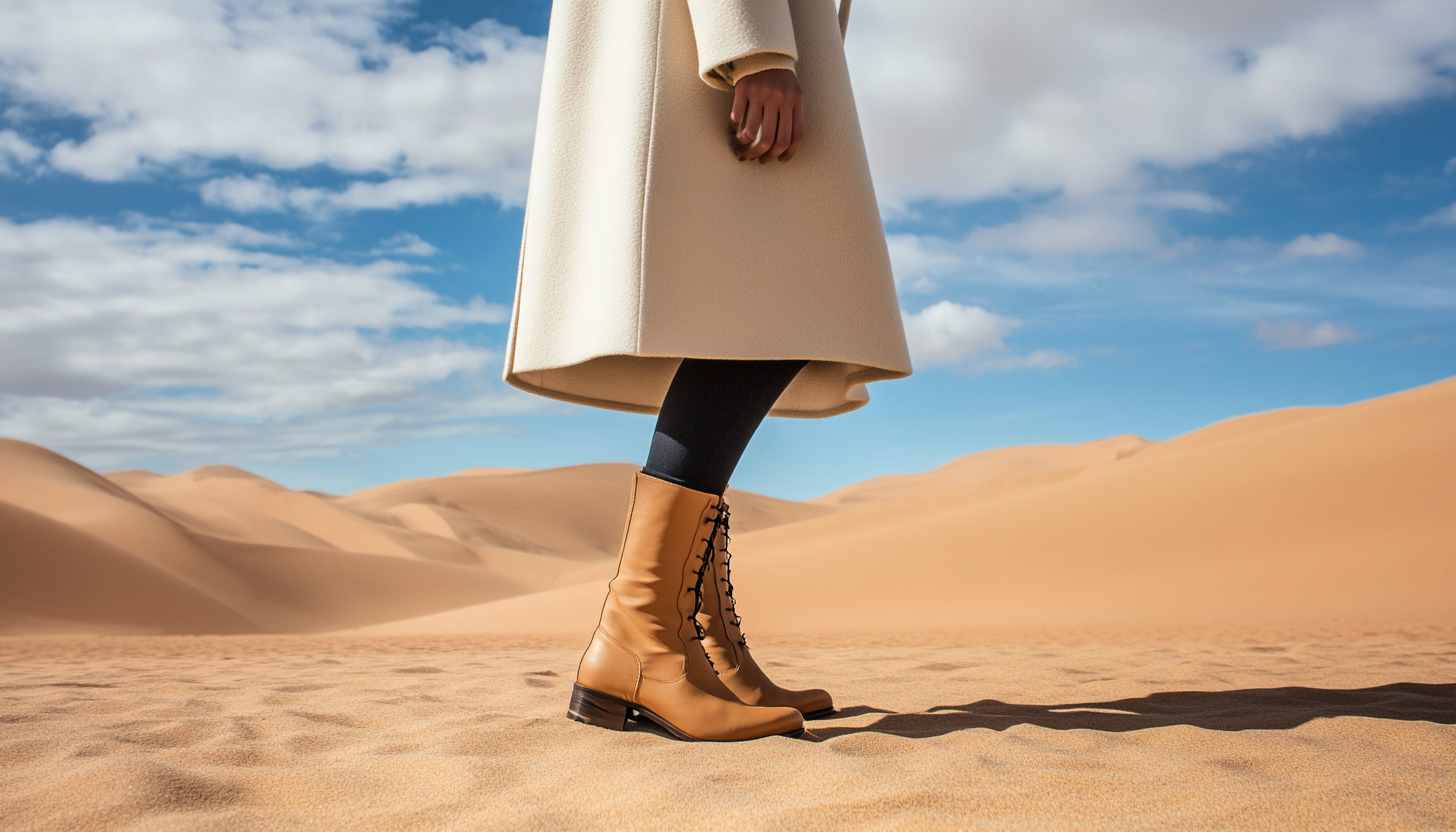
column 256, row 556
column 985, row 476
column 1293, row 516
column 221, row 550
column 1342, row 513
column 68, row 580
column 1303, row 515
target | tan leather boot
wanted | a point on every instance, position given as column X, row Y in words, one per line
column 646, row 658
column 728, row 649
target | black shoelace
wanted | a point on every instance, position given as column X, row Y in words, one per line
column 728, row 576
column 705, row 560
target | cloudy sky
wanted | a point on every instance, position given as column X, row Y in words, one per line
column 282, row 234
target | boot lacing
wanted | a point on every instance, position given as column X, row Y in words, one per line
column 705, row 560
column 722, row 522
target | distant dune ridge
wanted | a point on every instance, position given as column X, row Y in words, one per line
column 220, row 550
column 1307, row 515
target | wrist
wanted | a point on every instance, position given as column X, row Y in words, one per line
column 739, row 68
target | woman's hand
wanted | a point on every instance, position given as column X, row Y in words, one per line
column 772, row 102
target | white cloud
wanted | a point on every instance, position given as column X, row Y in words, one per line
column 1302, row 335
column 964, row 101
column 15, row 152
column 1034, row 360
column 174, row 86
column 952, row 334
column 263, row 193
column 246, row 194
column 919, row 261
column 1109, row 223
column 1060, row 232
column 420, row 189
column 406, row 244
column 1322, row 245
column 1445, row 216
column 948, row 333
column 1450, row 166
column 1184, row 201
column 1102, row 224
column 205, row 340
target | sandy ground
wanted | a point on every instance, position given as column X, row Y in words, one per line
column 1336, row 728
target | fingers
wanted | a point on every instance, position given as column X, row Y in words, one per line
column 752, row 120
column 766, row 136
column 783, row 131
column 750, row 130
column 740, row 105
column 796, row 137
column 784, row 137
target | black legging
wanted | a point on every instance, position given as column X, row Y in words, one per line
column 711, row 411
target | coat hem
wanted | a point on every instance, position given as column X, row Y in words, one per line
column 624, row 407
column 856, row 382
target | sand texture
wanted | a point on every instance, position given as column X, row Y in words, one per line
column 1252, row 626
column 1278, row 731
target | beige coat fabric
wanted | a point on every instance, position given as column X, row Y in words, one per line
column 647, row 241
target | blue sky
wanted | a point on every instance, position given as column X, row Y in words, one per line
column 283, row 235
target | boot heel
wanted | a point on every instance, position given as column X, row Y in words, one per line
column 597, row 709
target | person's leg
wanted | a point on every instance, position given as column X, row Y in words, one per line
column 708, row 417
column 648, row 628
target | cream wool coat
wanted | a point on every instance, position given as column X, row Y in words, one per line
column 647, row 241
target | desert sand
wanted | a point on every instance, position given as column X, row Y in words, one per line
column 1249, row 626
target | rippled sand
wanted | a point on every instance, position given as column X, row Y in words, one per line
column 1341, row 728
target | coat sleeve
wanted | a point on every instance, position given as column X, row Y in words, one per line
column 740, row 37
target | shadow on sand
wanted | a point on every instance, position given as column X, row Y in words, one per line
column 1227, row 710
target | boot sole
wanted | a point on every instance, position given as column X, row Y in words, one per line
column 606, row 711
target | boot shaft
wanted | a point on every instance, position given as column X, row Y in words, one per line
column 665, row 549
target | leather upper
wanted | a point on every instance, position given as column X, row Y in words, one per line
column 645, row 648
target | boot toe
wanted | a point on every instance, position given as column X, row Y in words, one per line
column 816, row 702
column 785, row 721
column 752, row 723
